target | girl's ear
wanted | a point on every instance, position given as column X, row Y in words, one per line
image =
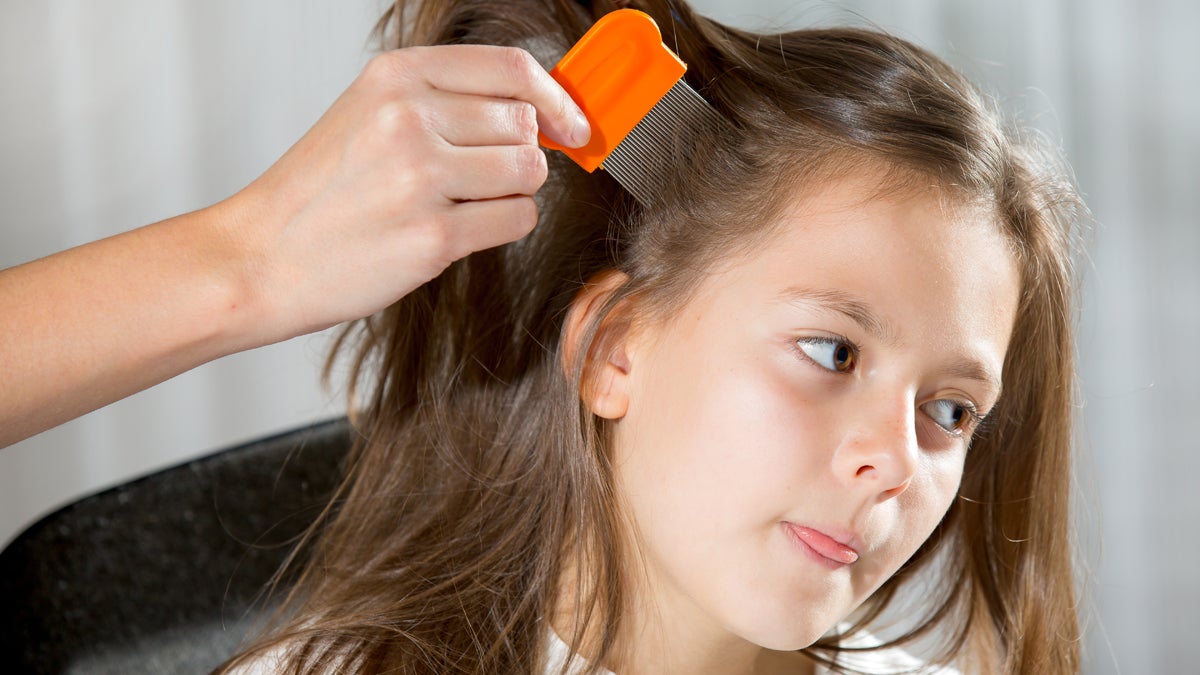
column 605, row 378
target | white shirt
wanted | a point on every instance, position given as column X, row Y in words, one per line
column 879, row 662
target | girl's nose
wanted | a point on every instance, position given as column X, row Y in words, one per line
column 878, row 452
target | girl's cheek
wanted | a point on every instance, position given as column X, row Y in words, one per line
column 808, row 394
column 934, row 489
column 788, row 415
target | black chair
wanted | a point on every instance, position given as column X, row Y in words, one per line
column 157, row 575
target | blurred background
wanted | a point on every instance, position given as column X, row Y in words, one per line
column 121, row 113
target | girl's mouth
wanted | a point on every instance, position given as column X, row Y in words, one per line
column 829, row 550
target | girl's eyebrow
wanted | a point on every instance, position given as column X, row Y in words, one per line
column 843, row 303
column 861, row 313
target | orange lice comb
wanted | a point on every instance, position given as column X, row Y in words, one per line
column 631, row 88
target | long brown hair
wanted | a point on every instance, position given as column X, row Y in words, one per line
column 478, row 471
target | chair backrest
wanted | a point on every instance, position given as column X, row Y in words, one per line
column 158, row 575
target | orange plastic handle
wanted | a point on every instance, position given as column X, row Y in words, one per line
column 616, row 73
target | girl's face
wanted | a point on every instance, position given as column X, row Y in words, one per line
column 794, row 433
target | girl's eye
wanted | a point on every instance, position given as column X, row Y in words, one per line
column 833, row 354
column 952, row 415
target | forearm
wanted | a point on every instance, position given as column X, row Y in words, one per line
column 93, row 324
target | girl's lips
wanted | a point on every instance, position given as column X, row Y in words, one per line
column 826, row 546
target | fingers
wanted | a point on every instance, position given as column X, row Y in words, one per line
column 466, row 120
column 493, row 171
column 487, row 223
column 491, row 146
column 506, row 72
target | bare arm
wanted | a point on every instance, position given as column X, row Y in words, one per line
column 429, row 155
column 94, row 324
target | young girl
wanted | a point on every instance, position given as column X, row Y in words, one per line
column 826, row 370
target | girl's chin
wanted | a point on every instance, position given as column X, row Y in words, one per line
column 787, row 643
column 795, row 637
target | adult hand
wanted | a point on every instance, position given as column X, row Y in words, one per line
column 429, row 155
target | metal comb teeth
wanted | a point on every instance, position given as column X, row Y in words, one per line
column 645, row 159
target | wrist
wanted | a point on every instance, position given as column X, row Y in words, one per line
column 245, row 315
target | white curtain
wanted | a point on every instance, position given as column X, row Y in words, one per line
column 127, row 111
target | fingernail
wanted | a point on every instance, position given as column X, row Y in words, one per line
column 581, row 131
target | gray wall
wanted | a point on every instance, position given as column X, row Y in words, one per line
column 125, row 112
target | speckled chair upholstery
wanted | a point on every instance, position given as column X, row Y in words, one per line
column 156, row 575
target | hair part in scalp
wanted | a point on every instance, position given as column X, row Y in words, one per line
column 478, row 473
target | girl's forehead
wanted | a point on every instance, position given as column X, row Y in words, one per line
column 917, row 253
column 861, row 215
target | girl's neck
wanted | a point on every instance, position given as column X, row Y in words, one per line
column 657, row 636
column 667, row 655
